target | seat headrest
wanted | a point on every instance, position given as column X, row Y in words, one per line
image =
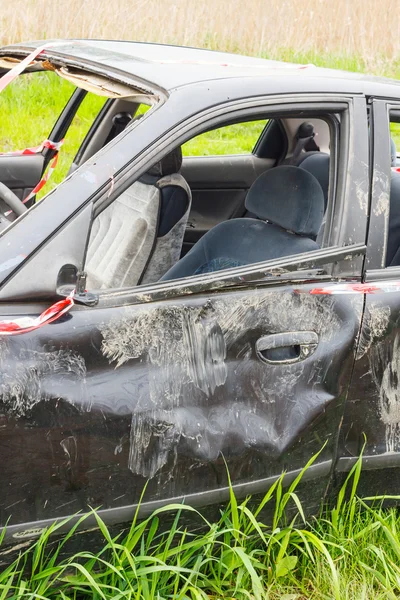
column 171, row 163
column 289, row 197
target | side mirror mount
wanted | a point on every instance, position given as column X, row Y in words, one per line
column 66, row 279
column 70, row 280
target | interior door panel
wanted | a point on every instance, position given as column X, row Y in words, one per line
column 21, row 173
column 219, row 186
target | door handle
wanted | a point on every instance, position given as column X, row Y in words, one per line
column 286, row 348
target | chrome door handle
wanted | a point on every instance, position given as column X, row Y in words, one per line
column 299, row 345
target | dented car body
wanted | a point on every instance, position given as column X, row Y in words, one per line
column 172, row 382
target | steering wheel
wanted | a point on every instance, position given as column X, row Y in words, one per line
column 12, row 200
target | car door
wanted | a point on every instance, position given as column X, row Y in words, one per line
column 372, row 413
column 174, row 383
column 139, row 389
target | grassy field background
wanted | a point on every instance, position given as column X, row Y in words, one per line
column 352, row 551
column 355, row 35
column 364, row 33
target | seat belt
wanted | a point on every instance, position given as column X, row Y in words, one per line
column 305, row 141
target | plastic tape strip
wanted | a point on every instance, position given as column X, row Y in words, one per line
column 47, row 144
column 26, row 324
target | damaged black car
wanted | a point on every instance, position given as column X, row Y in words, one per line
column 166, row 318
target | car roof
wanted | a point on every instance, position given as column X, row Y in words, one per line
column 169, row 67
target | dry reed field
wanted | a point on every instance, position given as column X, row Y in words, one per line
column 368, row 30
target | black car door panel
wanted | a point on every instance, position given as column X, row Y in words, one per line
column 104, row 399
column 372, row 415
column 219, row 186
column 375, row 381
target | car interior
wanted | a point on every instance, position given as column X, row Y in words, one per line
column 189, row 215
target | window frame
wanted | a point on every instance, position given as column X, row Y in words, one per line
column 343, row 258
column 375, row 261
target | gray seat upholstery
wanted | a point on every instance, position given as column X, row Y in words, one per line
column 317, row 163
column 289, row 205
column 139, row 236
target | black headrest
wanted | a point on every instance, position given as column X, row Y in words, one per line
column 289, row 197
column 168, row 165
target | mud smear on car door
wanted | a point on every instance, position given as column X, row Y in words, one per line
column 376, row 320
column 31, row 376
column 103, row 399
column 205, row 386
column 385, row 369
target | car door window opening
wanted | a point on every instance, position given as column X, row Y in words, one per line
column 215, row 212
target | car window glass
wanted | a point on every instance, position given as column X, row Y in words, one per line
column 239, row 138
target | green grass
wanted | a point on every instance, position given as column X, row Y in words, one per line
column 232, row 139
column 351, row 552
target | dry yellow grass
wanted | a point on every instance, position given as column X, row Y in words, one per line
column 368, row 29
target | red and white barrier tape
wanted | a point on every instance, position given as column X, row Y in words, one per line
column 21, row 66
column 56, row 310
column 26, row 324
column 46, row 145
column 44, row 179
column 354, row 288
column 5, row 80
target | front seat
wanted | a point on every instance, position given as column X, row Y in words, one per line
column 139, row 236
column 317, row 164
column 289, row 205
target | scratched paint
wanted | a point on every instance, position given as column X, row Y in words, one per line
column 180, row 403
column 39, row 376
column 375, row 323
column 385, row 367
column 160, row 391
